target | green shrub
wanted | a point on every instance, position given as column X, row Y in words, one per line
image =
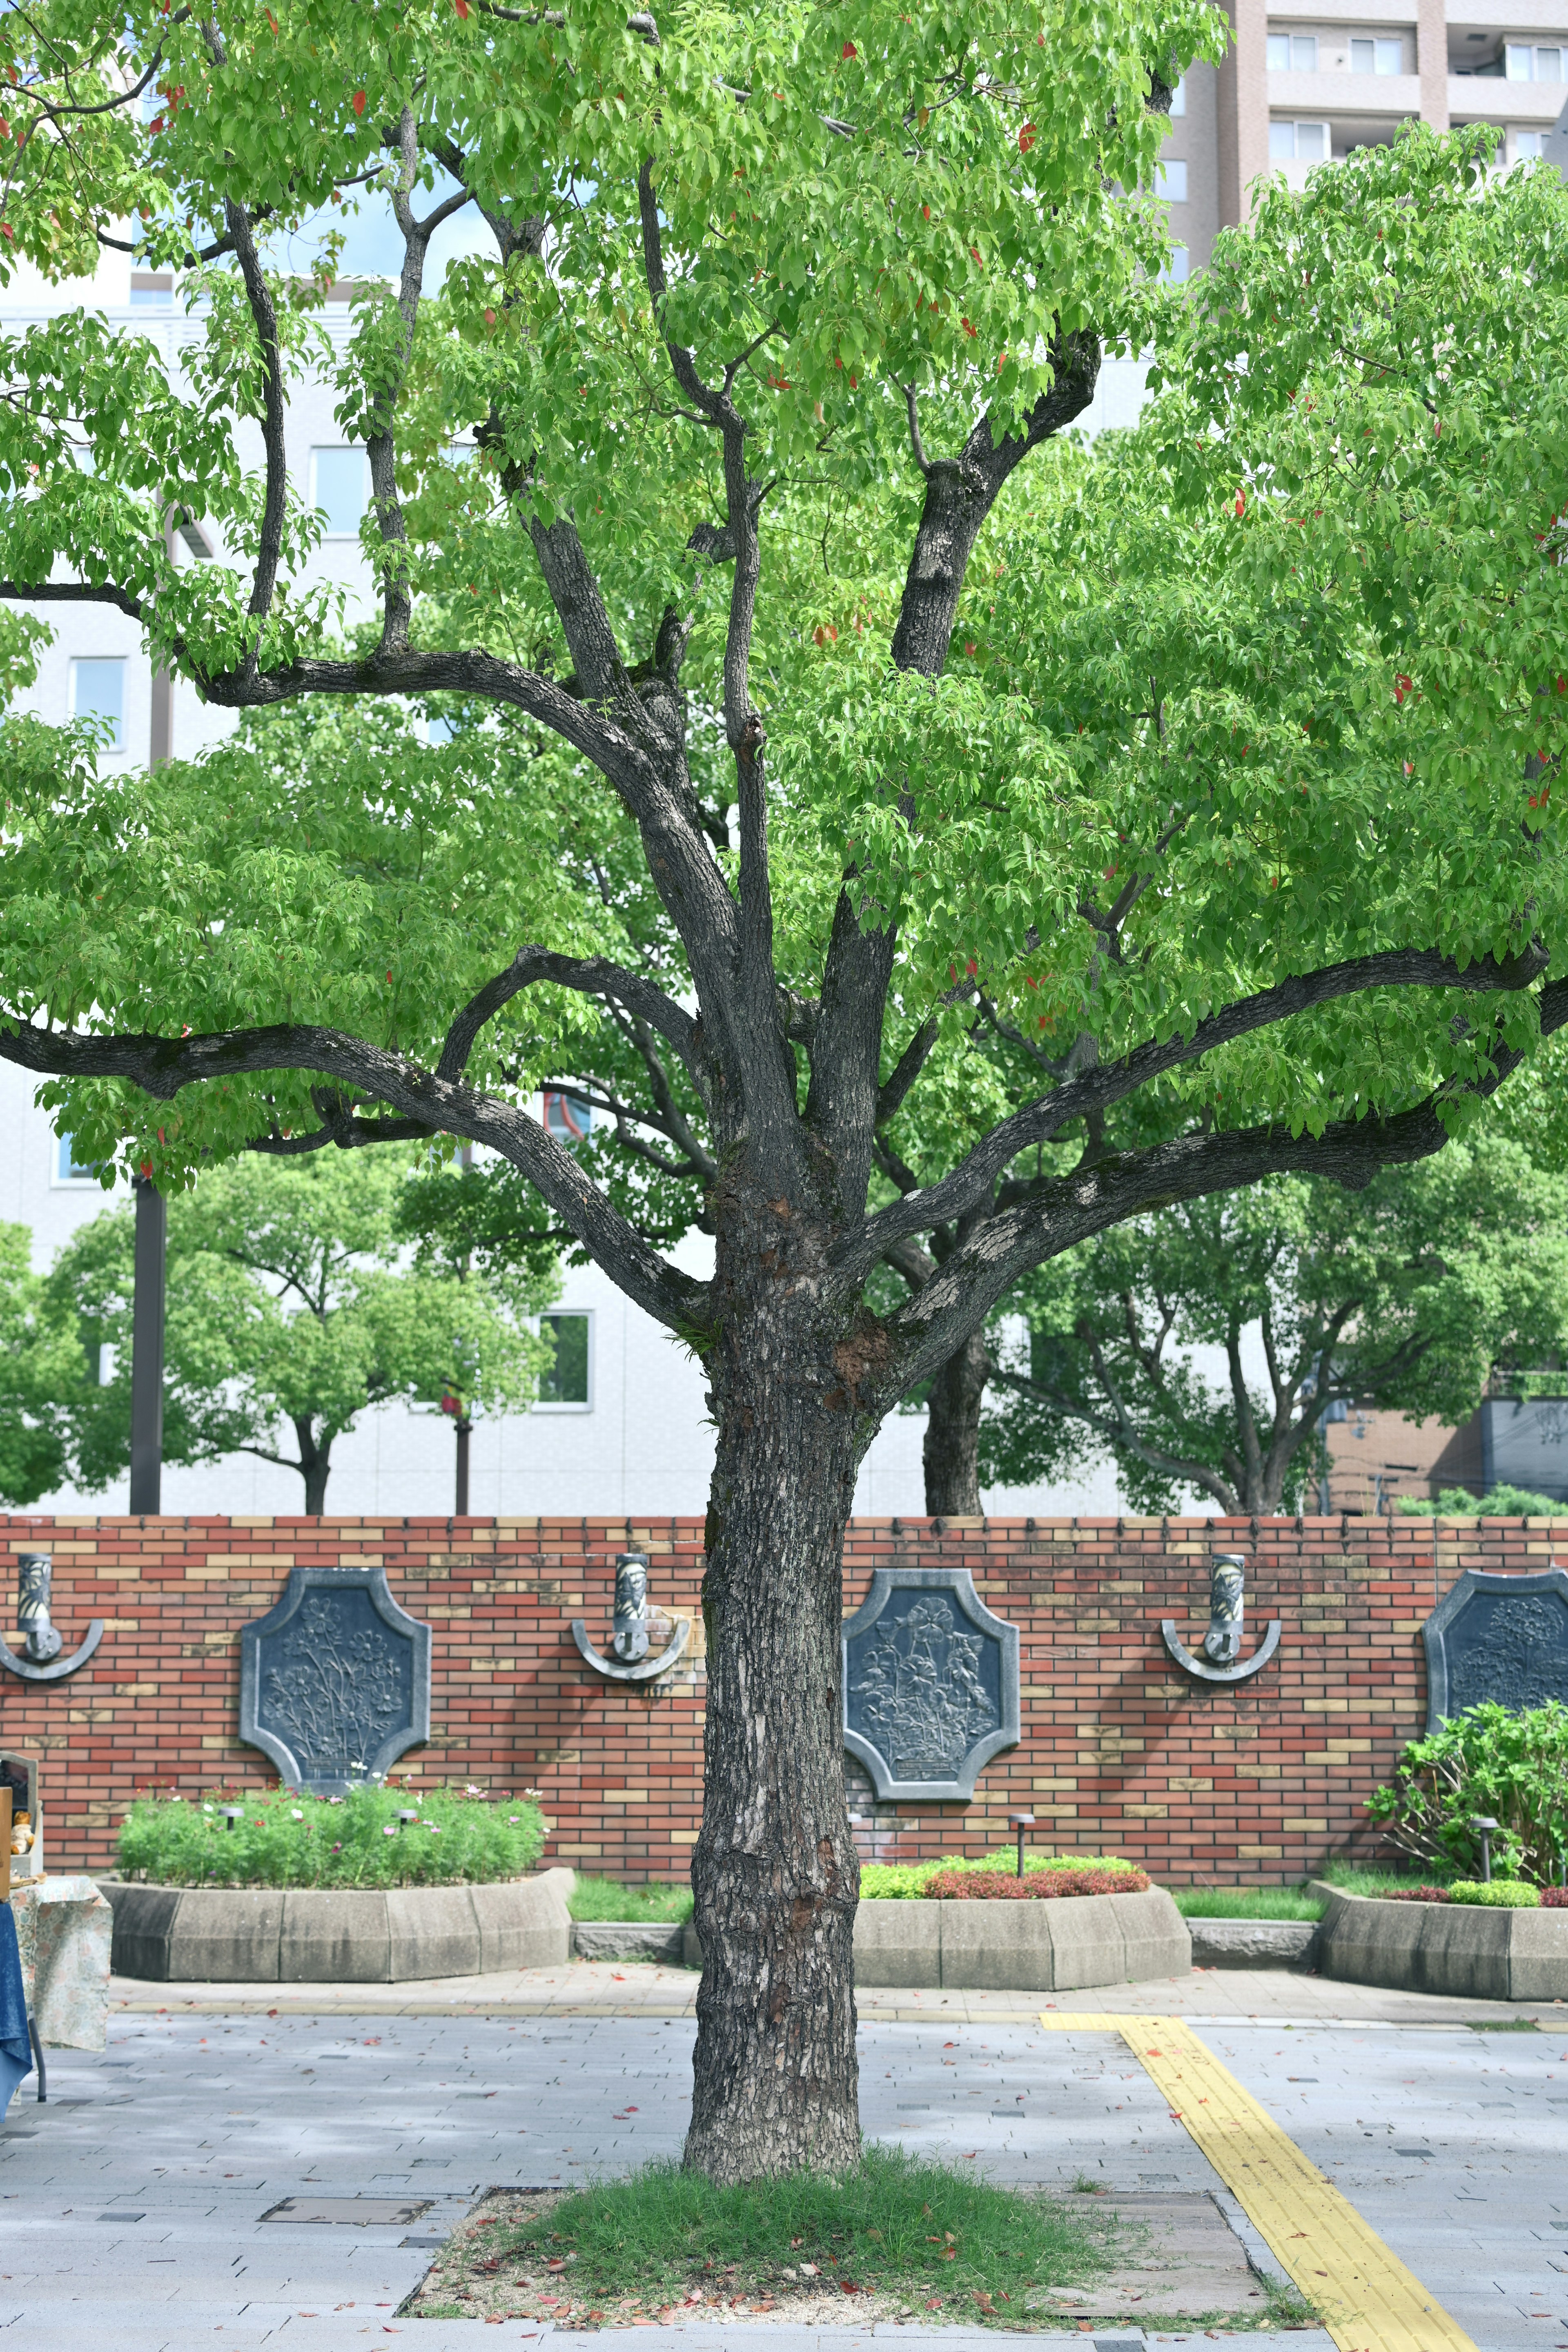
column 1502, row 1503
column 906, row 1882
column 284, row 1838
column 1487, row 1762
column 1495, row 1894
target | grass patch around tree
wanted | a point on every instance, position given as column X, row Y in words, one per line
column 897, row 2235
column 607, row 1899
column 1247, row 1903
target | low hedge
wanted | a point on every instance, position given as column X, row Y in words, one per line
column 1003, row 1887
column 911, row 1882
column 1490, row 1895
column 284, row 1838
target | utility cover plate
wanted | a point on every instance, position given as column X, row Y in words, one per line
column 365, row 2213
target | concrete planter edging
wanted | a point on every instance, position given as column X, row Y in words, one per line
column 1456, row 1948
column 1033, row 1947
column 1254, row 1943
column 315, row 1935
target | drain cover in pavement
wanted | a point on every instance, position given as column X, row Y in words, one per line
column 1413, row 2151
column 367, row 2213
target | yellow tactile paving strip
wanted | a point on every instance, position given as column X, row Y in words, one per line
column 1370, row 2302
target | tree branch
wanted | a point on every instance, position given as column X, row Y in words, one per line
column 1107, row 1083
column 588, row 976
column 1055, row 1215
column 163, row 1065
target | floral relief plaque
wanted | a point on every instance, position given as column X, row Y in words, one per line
column 931, row 1683
column 1498, row 1637
column 334, row 1683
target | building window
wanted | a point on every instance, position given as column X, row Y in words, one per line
column 152, row 289
column 566, row 1117
column 1175, row 272
column 567, row 1385
column 69, row 1168
column 1379, row 56
column 1527, row 63
column 340, row 489
column 1297, row 143
column 1527, row 146
column 97, row 692
column 1292, row 53
column 1179, row 99
column 1171, row 181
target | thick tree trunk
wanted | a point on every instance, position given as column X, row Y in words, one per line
column 952, row 1450
column 775, row 1874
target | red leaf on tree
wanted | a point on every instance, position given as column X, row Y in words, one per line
column 359, row 101
column 850, row 51
column 1027, row 137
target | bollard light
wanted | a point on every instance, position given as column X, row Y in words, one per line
column 1485, row 1824
column 1021, row 1822
column 403, row 1818
column 233, row 1815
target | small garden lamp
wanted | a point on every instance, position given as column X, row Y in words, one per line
column 1021, row 1822
column 234, row 1815
column 1485, row 1824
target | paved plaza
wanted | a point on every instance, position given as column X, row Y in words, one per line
column 134, row 2201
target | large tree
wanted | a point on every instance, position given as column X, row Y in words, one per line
column 291, row 1311
column 761, row 273
column 1406, row 1294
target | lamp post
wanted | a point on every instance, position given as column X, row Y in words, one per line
column 463, row 1428
column 1485, row 1824
column 1021, row 1822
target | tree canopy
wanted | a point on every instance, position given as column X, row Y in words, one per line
column 1251, row 870
column 1408, row 1294
column 289, row 1310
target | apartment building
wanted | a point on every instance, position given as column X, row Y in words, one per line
column 1298, row 89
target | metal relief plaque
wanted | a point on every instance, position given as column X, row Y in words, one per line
column 931, row 1683
column 334, row 1683
column 1498, row 1637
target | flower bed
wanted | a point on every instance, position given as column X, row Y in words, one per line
column 911, row 1882
column 283, row 1838
column 1489, row 1894
column 1039, row 1885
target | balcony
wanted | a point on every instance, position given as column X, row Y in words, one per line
column 1475, row 97
column 1389, row 97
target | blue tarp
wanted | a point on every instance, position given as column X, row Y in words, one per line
column 16, row 2048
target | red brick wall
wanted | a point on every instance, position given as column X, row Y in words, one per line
column 1121, row 1752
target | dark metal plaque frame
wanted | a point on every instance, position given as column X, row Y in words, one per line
column 959, row 1584
column 1550, row 1586
column 396, row 1740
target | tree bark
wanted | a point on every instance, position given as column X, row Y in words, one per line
column 775, row 1876
column 951, row 1449
column 315, row 1468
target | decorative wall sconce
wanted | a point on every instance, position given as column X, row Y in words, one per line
column 1221, row 1660
column 41, row 1661
column 629, row 1661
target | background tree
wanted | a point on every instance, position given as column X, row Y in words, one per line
column 41, row 1367
column 287, row 1307
column 1406, row 1294
column 763, row 278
